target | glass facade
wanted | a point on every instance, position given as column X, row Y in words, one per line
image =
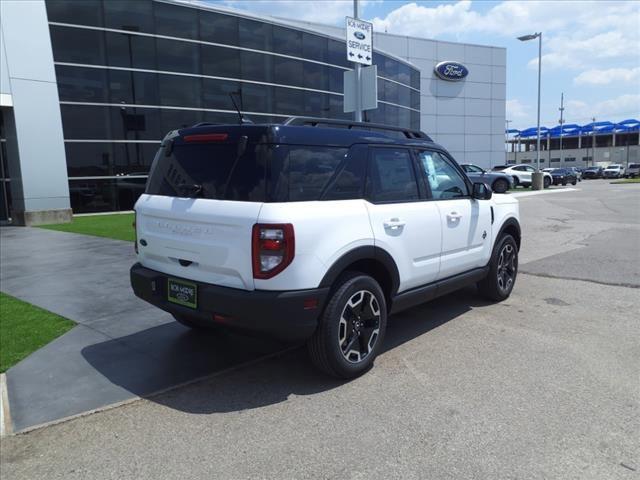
column 129, row 72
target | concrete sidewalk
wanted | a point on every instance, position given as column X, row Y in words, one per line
column 121, row 348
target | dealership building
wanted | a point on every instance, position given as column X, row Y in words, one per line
column 89, row 88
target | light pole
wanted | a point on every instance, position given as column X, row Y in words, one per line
column 537, row 177
column 506, row 134
column 593, row 141
column 561, row 123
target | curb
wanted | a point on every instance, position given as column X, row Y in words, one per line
column 5, row 416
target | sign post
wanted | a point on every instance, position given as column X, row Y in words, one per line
column 359, row 51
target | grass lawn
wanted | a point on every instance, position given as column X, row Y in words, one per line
column 627, row 180
column 25, row 328
column 118, row 226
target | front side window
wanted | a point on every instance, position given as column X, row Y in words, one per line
column 391, row 176
column 444, row 179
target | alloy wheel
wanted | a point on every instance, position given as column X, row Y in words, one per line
column 359, row 326
column 507, row 267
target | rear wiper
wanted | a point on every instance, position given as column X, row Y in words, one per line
column 191, row 190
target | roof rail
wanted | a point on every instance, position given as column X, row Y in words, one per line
column 320, row 122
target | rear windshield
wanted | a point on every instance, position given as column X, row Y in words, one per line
column 258, row 173
column 634, row 165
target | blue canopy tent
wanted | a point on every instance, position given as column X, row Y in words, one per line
column 573, row 130
column 629, row 125
column 570, row 129
column 533, row 132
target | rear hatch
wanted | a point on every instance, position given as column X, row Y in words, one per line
column 204, row 194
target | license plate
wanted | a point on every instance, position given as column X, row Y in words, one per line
column 182, row 292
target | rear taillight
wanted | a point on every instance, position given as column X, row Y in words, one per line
column 135, row 230
column 272, row 247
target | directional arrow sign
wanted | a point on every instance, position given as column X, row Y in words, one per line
column 359, row 41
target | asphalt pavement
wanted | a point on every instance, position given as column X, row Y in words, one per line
column 543, row 385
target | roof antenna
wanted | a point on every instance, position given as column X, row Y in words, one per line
column 242, row 119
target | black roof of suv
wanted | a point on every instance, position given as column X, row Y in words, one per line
column 310, row 131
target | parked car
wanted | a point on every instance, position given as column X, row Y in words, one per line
column 499, row 182
column 592, row 172
column 633, row 170
column 577, row 171
column 562, row 176
column 613, row 171
column 521, row 175
column 307, row 231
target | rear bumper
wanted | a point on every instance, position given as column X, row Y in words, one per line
column 275, row 314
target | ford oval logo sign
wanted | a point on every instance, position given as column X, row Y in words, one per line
column 359, row 35
column 452, row 71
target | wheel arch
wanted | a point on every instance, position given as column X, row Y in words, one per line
column 373, row 261
column 512, row 227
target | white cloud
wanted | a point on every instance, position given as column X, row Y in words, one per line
column 601, row 29
column 319, row 11
column 614, row 109
column 607, row 76
column 516, row 110
column 422, row 21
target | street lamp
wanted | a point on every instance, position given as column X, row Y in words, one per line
column 537, row 177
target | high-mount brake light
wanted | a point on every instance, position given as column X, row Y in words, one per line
column 272, row 248
column 206, row 137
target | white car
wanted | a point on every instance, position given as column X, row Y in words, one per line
column 633, row 170
column 522, row 175
column 613, row 171
column 305, row 231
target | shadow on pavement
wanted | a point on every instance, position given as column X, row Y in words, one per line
column 192, row 355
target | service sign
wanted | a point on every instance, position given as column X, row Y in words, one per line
column 451, row 71
column 359, row 41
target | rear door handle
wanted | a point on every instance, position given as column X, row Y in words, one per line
column 454, row 216
column 394, row 224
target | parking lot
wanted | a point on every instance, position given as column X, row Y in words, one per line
column 543, row 385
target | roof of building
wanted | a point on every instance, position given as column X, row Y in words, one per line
column 573, row 130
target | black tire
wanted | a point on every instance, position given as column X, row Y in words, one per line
column 350, row 332
column 196, row 325
column 564, row 183
column 546, row 182
column 500, row 185
column 574, row 182
column 503, row 270
column 516, row 182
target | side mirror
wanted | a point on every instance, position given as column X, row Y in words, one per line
column 481, row 191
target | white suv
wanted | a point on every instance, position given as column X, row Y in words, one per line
column 522, row 174
column 613, row 171
column 315, row 230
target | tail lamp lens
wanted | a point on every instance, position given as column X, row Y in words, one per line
column 273, row 249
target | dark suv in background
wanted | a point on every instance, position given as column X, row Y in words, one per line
column 592, row 172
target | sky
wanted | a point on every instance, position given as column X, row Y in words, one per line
column 590, row 49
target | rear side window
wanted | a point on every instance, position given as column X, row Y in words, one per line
column 391, row 176
column 304, row 173
column 349, row 182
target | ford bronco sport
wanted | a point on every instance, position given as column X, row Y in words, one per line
column 315, row 230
